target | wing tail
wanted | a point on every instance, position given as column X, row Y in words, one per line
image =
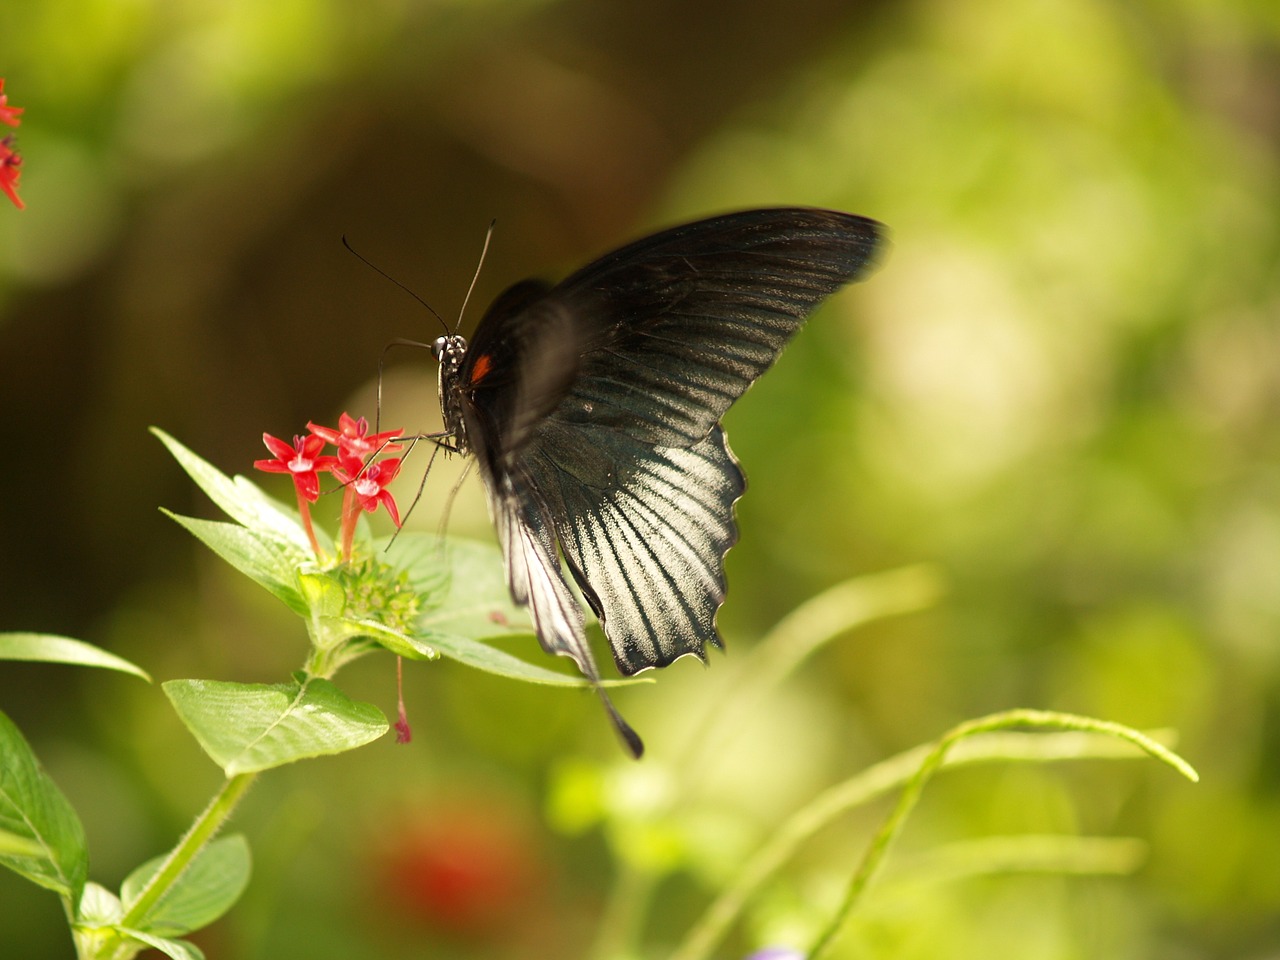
column 536, row 580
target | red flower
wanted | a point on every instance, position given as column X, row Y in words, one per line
column 471, row 869
column 302, row 460
column 10, row 170
column 8, row 114
column 353, row 438
column 370, row 485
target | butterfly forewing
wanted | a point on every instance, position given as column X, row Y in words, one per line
column 681, row 323
column 520, row 365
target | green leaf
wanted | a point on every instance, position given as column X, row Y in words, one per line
column 49, row 648
column 32, row 808
column 270, row 563
column 401, row 644
column 205, row 891
column 246, row 727
column 321, row 593
column 481, row 656
column 95, row 926
column 469, row 603
column 176, row 949
column 241, row 499
column 99, row 907
column 18, row 846
column 465, row 583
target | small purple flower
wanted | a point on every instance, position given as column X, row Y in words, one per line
column 777, row 953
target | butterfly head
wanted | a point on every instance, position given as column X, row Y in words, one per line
column 450, row 351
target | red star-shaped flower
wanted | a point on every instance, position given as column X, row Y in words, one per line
column 353, row 438
column 302, row 460
column 370, row 486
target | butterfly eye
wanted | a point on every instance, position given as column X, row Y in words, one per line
column 439, row 347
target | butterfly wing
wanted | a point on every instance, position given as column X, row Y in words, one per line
column 593, row 408
column 525, row 531
column 644, row 530
column 684, row 321
column 520, row 366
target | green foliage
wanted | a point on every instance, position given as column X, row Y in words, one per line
column 243, row 501
column 206, row 890
column 43, row 836
column 433, row 597
column 249, row 727
column 111, row 926
column 50, row 649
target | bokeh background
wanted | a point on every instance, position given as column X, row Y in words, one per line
column 1062, row 387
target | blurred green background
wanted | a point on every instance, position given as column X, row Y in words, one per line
column 1062, row 386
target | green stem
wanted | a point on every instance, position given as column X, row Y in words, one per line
column 874, row 857
column 797, row 637
column 205, row 827
column 620, row 926
column 1085, row 739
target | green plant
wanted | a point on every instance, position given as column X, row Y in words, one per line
column 424, row 597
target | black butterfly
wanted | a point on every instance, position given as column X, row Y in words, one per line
column 593, row 409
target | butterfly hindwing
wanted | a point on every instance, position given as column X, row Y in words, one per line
column 644, row 531
column 536, row 580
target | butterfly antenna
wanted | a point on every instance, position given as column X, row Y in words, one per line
column 484, row 251
column 386, row 276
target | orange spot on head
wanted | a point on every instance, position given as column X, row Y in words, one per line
column 484, row 363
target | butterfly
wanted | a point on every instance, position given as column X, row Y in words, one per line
column 592, row 408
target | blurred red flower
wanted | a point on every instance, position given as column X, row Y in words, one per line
column 469, row 871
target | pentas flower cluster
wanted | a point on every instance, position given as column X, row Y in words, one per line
column 10, row 162
column 364, row 481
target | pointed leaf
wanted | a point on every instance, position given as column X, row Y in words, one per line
column 18, row 846
column 49, row 648
column 241, row 499
column 399, row 643
column 482, row 656
column 465, row 583
column 205, row 891
column 270, row 563
column 99, row 907
column 33, row 808
column 469, row 603
column 176, row 949
column 253, row 726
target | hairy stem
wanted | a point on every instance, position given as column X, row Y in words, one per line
column 204, row 829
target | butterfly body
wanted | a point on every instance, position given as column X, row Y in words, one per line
column 593, row 410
